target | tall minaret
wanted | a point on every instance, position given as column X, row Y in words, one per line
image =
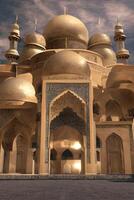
column 122, row 54
column 12, row 53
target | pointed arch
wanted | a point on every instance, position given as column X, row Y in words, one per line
column 67, row 155
column 113, row 108
column 67, row 99
column 63, row 93
column 13, row 129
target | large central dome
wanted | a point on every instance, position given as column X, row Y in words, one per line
column 66, row 26
column 66, row 62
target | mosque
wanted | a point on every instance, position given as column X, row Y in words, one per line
column 67, row 102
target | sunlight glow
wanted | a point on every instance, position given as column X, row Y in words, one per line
column 76, row 146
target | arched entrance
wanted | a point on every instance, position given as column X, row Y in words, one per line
column 67, row 157
column 16, row 143
column 115, row 158
column 67, row 129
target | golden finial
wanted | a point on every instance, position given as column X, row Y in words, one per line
column 117, row 20
column 65, row 10
column 16, row 19
column 35, row 24
column 99, row 21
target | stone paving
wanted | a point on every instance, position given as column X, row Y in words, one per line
column 66, row 190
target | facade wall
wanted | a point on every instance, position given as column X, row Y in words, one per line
column 125, row 133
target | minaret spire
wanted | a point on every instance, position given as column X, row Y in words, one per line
column 122, row 54
column 35, row 24
column 16, row 19
column 99, row 21
column 65, row 10
column 12, row 53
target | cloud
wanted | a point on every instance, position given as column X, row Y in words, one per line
column 85, row 10
column 117, row 9
column 4, row 44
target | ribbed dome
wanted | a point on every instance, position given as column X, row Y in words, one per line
column 66, row 26
column 16, row 90
column 35, row 38
column 99, row 38
column 66, row 62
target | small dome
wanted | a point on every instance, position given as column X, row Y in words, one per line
column 35, row 44
column 120, row 74
column 66, row 26
column 35, row 38
column 16, row 90
column 109, row 56
column 28, row 53
column 99, row 38
column 66, row 62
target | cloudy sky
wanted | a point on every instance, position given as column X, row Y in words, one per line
column 87, row 10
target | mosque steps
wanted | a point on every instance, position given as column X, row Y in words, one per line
column 66, row 177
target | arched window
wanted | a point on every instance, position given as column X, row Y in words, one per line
column 53, row 155
column 96, row 109
column 98, row 142
column 113, row 109
column 67, row 155
column 98, row 155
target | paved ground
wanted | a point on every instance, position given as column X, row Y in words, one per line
column 65, row 190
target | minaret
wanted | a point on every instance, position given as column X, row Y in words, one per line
column 12, row 53
column 122, row 54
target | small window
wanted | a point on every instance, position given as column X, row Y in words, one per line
column 67, row 155
column 53, row 155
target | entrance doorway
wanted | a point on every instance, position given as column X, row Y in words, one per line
column 115, row 159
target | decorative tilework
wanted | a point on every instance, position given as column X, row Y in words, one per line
column 55, row 89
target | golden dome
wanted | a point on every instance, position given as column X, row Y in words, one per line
column 16, row 90
column 28, row 53
column 120, row 74
column 35, row 44
column 101, row 43
column 36, row 39
column 63, row 26
column 109, row 56
column 99, row 38
column 66, row 62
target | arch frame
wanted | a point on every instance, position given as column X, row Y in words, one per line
column 120, row 154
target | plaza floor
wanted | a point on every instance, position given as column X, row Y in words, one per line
column 66, row 190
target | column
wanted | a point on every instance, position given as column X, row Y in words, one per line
column 84, row 156
column 103, row 156
column 9, row 162
column 1, row 159
column 92, row 165
column 127, row 157
column 29, row 164
column 42, row 165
